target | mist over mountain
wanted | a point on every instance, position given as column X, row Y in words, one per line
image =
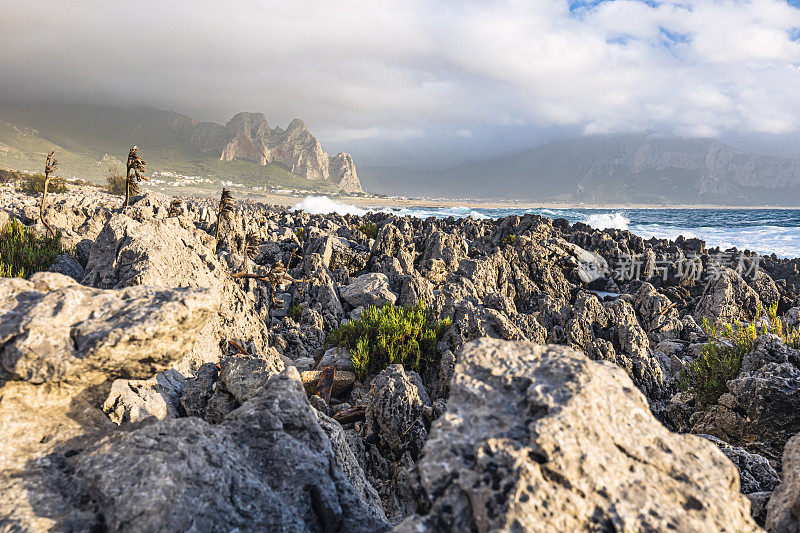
column 90, row 139
column 616, row 168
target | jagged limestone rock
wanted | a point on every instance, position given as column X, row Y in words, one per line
column 540, row 438
column 54, row 330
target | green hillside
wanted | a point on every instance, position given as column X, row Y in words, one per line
column 89, row 139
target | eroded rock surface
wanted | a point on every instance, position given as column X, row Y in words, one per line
column 540, row 438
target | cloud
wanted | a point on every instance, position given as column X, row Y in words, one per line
column 403, row 70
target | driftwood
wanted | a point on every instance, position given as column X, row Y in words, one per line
column 357, row 413
column 277, row 274
column 325, row 384
column 241, row 350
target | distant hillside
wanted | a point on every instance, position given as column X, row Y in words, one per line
column 88, row 139
column 620, row 168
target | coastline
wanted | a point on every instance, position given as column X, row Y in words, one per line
column 374, row 201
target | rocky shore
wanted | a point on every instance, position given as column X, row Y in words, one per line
column 157, row 380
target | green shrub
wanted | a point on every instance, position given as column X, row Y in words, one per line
column 370, row 230
column 22, row 252
column 389, row 335
column 8, row 176
column 296, row 312
column 301, row 234
column 115, row 181
column 34, row 184
column 721, row 357
column 509, row 240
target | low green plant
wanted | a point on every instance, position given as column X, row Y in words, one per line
column 22, row 252
column 387, row 335
column 721, row 357
column 509, row 240
column 8, row 176
column 34, row 184
column 295, row 311
column 370, row 230
column 301, row 234
column 115, row 181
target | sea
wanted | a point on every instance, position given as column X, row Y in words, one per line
column 765, row 231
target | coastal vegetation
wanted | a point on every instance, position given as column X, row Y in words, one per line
column 33, row 184
column 22, row 252
column 115, row 181
column 388, row 335
column 721, row 357
column 370, row 230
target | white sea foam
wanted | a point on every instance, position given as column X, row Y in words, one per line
column 608, row 221
column 322, row 205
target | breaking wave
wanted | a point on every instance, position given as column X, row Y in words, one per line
column 322, row 205
column 608, row 221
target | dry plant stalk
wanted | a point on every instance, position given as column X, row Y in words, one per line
column 225, row 210
column 278, row 274
column 50, row 166
column 250, row 248
column 175, row 208
column 135, row 173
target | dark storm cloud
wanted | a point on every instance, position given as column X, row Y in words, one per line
column 476, row 75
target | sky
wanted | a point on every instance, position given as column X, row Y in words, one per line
column 421, row 82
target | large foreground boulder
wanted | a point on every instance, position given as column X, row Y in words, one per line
column 61, row 345
column 54, row 330
column 172, row 252
column 540, row 438
column 269, row 466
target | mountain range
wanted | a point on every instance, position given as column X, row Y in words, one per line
column 614, row 168
column 246, row 150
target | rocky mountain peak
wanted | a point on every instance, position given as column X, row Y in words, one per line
column 250, row 124
column 248, row 136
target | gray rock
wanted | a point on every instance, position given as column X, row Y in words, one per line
column 727, row 299
column 338, row 358
column 755, row 472
column 541, row 438
column 268, row 467
column 219, row 405
column 244, row 377
column 54, row 330
column 172, row 252
column 304, row 363
column 198, row 390
column 759, row 410
column 758, row 506
column 658, row 315
column 133, row 400
column 349, row 465
column 69, row 266
column 783, row 506
column 368, row 289
column 394, row 410
column 591, row 266
column 282, row 306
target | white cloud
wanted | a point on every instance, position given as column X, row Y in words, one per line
column 403, row 69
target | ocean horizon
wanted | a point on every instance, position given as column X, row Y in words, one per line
column 765, row 231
